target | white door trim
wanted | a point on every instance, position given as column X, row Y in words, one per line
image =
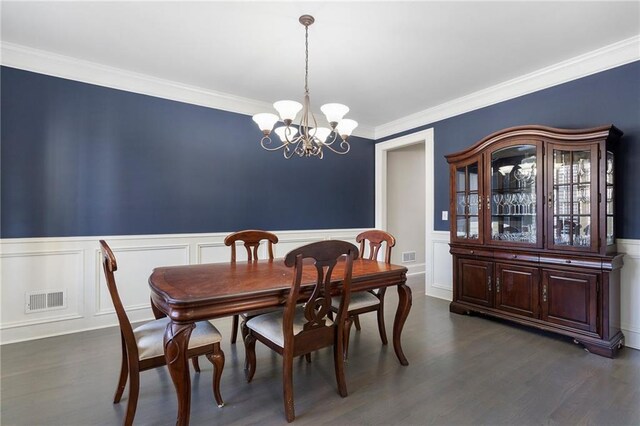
column 426, row 137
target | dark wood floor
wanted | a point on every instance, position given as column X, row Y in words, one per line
column 463, row 370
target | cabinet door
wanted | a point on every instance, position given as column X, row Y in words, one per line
column 517, row 289
column 475, row 282
column 514, row 193
column 570, row 299
column 572, row 183
column 466, row 202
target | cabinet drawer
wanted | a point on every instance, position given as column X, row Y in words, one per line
column 526, row 257
column 584, row 263
column 471, row 252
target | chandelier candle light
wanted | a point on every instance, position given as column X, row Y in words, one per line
column 311, row 139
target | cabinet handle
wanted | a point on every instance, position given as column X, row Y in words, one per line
column 471, row 252
column 498, row 284
column 567, row 261
column 550, row 199
column 515, row 256
column 544, row 292
column 489, row 282
column 488, row 203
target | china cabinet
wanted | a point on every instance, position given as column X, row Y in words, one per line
column 533, row 235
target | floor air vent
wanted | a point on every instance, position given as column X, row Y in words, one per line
column 46, row 300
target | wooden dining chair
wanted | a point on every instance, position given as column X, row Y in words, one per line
column 301, row 329
column 368, row 301
column 143, row 346
column 251, row 239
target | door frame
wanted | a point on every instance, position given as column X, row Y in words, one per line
column 425, row 137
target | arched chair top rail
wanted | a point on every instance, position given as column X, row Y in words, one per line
column 251, row 239
column 376, row 238
column 536, row 131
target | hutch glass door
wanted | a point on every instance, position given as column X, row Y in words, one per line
column 513, row 195
column 468, row 203
column 573, row 199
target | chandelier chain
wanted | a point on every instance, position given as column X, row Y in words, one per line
column 306, row 59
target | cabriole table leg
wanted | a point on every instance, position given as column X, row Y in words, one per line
column 176, row 342
column 404, row 306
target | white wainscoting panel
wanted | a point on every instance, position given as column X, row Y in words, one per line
column 440, row 282
column 132, row 277
column 74, row 264
column 37, row 270
column 630, row 292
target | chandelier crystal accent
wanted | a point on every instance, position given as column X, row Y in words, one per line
column 306, row 139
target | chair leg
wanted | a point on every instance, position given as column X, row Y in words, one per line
column 234, row 329
column 124, row 373
column 217, row 359
column 338, row 361
column 356, row 320
column 381, row 328
column 134, row 390
column 196, row 364
column 346, row 334
column 287, row 385
column 250, row 355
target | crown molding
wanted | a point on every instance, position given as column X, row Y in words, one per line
column 611, row 56
column 56, row 65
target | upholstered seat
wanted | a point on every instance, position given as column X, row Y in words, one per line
column 150, row 337
column 270, row 325
column 362, row 299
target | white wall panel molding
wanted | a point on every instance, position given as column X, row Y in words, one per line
column 56, row 65
column 614, row 55
column 441, row 284
column 28, row 264
column 32, row 269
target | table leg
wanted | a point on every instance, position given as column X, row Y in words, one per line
column 404, row 306
column 176, row 342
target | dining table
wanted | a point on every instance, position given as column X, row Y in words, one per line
column 190, row 293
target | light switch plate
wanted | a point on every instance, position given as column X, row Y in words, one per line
column 445, row 215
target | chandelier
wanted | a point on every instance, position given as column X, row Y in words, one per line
column 307, row 139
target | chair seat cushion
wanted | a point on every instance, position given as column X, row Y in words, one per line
column 257, row 312
column 270, row 325
column 149, row 337
column 361, row 299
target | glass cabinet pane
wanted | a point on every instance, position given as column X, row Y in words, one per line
column 609, row 199
column 468, row 202
column 513, row 194
column 572, row 204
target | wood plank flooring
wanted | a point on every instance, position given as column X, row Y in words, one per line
column 463, row 370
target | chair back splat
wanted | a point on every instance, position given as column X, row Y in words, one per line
column 325, row 255
column 251, row 239
column 376, row 239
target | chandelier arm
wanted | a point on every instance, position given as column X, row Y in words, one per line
column 267, row 138
column 343, row 145
column 335, row 136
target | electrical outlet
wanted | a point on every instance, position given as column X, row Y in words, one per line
column 445, row 215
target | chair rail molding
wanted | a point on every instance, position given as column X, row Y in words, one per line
column 73, row 263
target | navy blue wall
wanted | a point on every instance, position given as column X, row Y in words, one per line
column 609, row 97
column 79, row 159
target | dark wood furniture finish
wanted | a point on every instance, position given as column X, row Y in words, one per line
column 362, row 302
column 299, row 330
column 191, row 293
column 532, row 238
column 251, row 239
column 133, row 363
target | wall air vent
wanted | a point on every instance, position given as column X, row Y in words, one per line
column 45, row 300
column 408, row 256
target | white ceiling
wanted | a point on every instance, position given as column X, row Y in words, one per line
column 386, row 60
